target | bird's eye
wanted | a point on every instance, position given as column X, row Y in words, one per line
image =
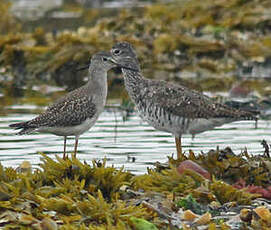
column 116, row 51
column 105, row 59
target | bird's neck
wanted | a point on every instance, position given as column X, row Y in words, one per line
column 132, row 81
column 98, row 82
column 97, row 77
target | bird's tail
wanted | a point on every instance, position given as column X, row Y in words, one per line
column 25, row 128
column 251, row 115
column 250, row 110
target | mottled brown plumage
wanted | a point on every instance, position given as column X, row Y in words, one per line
column 77, row 112
column 170, row 107
column 181, row 101
column 71, row 110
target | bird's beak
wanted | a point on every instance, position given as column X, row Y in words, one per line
column 113, row 61
column 83, row 68
column 120, row 65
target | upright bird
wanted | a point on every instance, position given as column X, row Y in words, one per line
column 76, row 112
column 169, row 107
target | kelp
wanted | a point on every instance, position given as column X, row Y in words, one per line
column 211, row 39
column 227, row 193
column 61, row 172
column 8, row 24
column 75, row 195
column 67, row 192
column 167, row 181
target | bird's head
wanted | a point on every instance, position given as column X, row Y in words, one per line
column 105, row 61
column 125, row 55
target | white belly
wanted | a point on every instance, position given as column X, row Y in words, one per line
column 202, row 125
column 76, row 130
column 179, row 125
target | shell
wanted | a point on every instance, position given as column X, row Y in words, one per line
column 188, row 215
column 203, row 219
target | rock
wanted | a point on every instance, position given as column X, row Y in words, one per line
column 191, row 165
column 246, row 215
column 48, row 224
column 263, row 213
column 239, row 91
column 33, row 9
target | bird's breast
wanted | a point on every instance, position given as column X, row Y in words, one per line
column 75, row 130
column 164, row 120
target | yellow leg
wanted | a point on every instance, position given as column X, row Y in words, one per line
column 64, row 153
column 75, row 146
column 178, row 142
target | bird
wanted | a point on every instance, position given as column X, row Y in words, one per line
column 169, row 107
column 77, row 111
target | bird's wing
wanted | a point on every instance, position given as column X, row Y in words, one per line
column 65, row 113
column 181, row 101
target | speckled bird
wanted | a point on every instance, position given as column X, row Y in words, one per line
column 169, row 107
column 76, row 112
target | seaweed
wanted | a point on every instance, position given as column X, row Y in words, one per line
column 190, row 203
column 77, row 195
column 227, row 193
column 167, row 181
column 8, row 23
column 67, row 192
column 211, row 39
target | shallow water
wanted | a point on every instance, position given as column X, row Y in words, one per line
column 116, row 140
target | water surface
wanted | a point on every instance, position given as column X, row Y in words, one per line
column 115, row 139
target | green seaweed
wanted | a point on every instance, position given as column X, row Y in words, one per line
column 190, row 203
column 141, row 224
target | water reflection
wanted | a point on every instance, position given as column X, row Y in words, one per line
column 116, row 140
